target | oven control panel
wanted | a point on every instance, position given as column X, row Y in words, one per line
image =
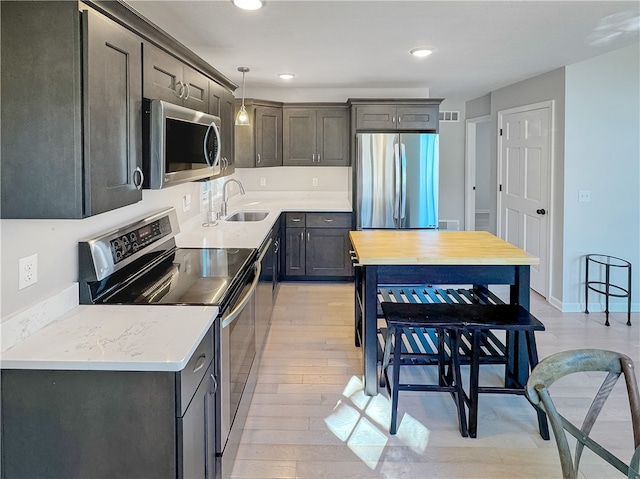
column 133, row 241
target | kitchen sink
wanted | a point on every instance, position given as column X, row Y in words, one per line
column 248, row 216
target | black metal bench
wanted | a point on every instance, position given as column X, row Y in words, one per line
column 483, row 315
column 492, row 346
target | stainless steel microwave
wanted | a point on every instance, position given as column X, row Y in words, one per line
column 180, row 144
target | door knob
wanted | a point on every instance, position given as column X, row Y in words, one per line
column 541, row 211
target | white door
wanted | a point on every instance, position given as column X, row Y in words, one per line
column 524, row 167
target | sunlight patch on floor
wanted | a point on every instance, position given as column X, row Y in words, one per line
column 362, row 423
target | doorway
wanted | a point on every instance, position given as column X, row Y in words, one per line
column 478, row 210
column 524, row 179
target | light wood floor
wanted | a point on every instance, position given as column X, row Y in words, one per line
column 310, row 419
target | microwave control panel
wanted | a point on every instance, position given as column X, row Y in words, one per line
column 133, row 241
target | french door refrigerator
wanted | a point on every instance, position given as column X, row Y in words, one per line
column 396, row 180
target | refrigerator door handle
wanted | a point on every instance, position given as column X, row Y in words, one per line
column 403, row 192
column 398, row 171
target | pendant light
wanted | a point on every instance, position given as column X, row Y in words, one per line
column 242, row 118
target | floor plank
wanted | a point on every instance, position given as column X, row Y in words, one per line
column 310, row 418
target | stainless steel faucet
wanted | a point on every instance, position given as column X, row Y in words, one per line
column 223, row 206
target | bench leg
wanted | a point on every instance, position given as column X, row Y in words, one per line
column 457, row 380
column 397, row 351
column 474, row 373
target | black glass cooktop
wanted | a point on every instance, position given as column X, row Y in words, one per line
column 189, row 276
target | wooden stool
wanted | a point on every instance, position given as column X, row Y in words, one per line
column 402, row 319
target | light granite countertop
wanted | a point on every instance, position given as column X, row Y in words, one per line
column 250, row 234
column 146, row 338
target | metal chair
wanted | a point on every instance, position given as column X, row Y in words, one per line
column 558, row 365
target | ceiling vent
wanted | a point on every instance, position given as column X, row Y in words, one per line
column 449, row 116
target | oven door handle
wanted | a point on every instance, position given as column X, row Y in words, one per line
column 231, row 317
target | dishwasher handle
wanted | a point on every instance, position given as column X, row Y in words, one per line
column 231, row 317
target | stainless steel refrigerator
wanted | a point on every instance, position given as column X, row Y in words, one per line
column 396, row 180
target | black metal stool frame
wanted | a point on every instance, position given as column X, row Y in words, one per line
column 401, row 321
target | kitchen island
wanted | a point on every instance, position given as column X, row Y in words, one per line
column 419, row 257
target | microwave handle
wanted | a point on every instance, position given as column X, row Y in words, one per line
column 212, row 163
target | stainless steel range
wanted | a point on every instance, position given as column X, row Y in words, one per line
column 140, row 264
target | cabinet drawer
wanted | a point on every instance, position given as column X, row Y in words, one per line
column 328, row 220
column 189, row 378
column 295, row 220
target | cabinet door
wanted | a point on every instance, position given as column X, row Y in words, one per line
column 295, row 252
column 299, row 137
column 162, row 75
column 113, row 121
column 196, row 433
column 196, row 95
column 376, row 117
column 327, row 252
column 333, row 138
column 268, row 139
column 228, row 131
column 216, row 92
column 417, row 117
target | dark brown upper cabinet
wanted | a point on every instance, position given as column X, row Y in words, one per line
column 405, row 115
column 259, row 144
column 315, row 136
column 71, row 111
column 169, row 79
column 221, row 104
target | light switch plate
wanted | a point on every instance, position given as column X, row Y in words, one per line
column 584, row 196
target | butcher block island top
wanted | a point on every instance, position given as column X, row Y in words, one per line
column 414, row 247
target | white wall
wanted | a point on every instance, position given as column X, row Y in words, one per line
column 56, row 244
column 296, row 178
column 602, row 155
column 548, row 86
column 452, row 151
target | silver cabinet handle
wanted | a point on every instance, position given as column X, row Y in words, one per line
column 138, row 178
column 180, row 89
column 318, row 157
column 393, row 119
column 399, row 119
column 258, row 157
column 313, row 158
column 200, row 363
column 308, row 236
column 328, row 220
column 188, row 91
column 302, row 236
column 296, row 220
column 215, row 384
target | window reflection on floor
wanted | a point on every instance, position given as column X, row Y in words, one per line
column 361, row 422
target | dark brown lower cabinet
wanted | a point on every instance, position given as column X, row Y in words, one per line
column 111, row 424
column 317, row 245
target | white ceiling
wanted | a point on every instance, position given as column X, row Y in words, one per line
column 481, row 45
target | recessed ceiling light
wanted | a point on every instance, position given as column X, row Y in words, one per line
column 422, row 51
column 286, row 76
column 248, row 4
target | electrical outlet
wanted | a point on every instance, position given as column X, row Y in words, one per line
column 314, row 182
column 186, row 203
column 263, row 181
column 27, row 271
column 584, row 196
